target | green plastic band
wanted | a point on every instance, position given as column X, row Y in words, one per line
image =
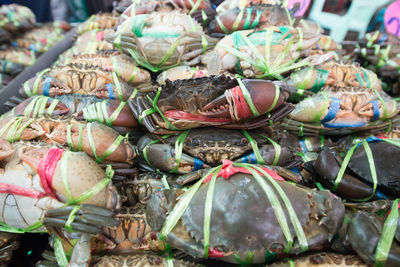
column 292, row 215
column 15, row 134
column 320, row 81
column 71, row 218
column 238, row 19
column 207, row 211
column 59, row 253
column 156, row 109
column 52, row 107
column 307, row 78
column 109, row 150
column 388, row 234
column 321, row 112
column 117, row 86
column 64, row 175
column 95, row 189
column 221, row 25
column 248, row 99
column 31, row 228
column 256, row 19
column 277, row 148
column 204, row 16
column 300, row 45
column 384, row 56
column 248, row 18
column 35, row 84
column 204, row 43
column 164, row 181
column 181, row 206
column 276, row 205
column 254, row 146
column 276, row 97
column 248, row 260
column 301, row 129
column 195, row 6
column 371, row 39
column 346, row 161
column 179, row 148
column 170, row 260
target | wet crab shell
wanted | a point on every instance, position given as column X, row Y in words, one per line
column 237, row 224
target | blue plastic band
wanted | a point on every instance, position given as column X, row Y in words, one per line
column 14, row 44
column 333, row 110
column 375, row 108
column 372, row 139
column 4, row 68
column 198, row 164
column 250, row 158
column 303, row 145
column 46, row 86
column 110, row 91
column 32, row 47
column 344, row 125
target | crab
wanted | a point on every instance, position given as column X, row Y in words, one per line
column 16, row 18
column 97, row 140
column 79, row 79
column 270, row 52
column 163, row 39
column 32, row 179
column 357, row 181
column 322, row 259
column 18, row 55
column 111, row 112
column 348, row 108
column 210, row 101
column 210, row 146
column 234, row 235
column 98, row 22
column 313, row 79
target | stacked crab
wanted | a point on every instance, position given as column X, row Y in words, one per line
column 174, row 132
column 23, row 40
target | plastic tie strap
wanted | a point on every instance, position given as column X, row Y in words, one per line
column 388, row 234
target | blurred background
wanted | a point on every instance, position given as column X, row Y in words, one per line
column 343, row 19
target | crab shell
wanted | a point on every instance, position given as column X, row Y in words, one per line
column 238, row 225
column 123, row 65
column 141, row 260
column 33, row 130
column 322, row 259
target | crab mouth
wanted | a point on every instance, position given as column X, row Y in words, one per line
column 57, row 88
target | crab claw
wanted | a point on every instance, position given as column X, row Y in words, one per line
column 109, row 91
column 88, row 219
column 125, row 116
column 59, row 109
column 264, row 95
column 311, row 109
column 6, row 149
column 48, row 86
column 163, row 157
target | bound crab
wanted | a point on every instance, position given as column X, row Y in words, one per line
column 81, row 79
column 313, row 79
column 341, row 111
column 211, row 220
column 198, row 148
column 163, row 39
column 18, row 55
column 271, row 52
column 97, row 140
column 39, row 177
column 364, row 173
column 111, row 112
column 213, row 100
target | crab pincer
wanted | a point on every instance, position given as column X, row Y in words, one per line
column 251, row 98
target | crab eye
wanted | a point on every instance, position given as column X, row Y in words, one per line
column 244, row 141
column 194, row 142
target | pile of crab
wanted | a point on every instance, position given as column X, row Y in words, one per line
column 180, row 133
column 23, row 40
